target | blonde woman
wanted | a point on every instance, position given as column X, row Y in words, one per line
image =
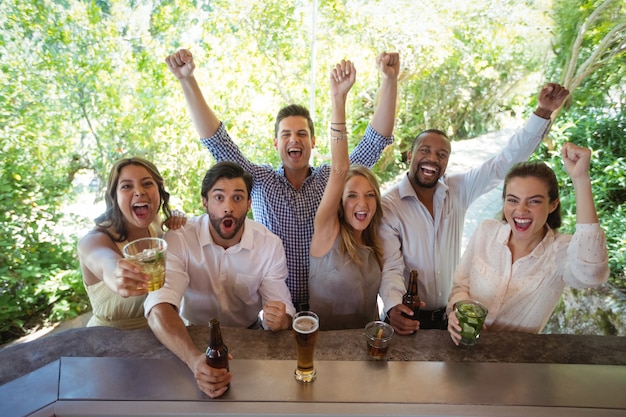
column 345, row 253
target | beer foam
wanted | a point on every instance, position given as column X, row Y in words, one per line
column 305, row 324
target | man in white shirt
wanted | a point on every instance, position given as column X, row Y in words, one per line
column 220, row 265
column 424, row 215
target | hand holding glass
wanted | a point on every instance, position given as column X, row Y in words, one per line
column 149, row 254
column 471, row 315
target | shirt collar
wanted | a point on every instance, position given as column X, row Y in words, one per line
column 247, row 239
column 246, row 242
column 281, row 170
column 281, row 175
column 505, row 233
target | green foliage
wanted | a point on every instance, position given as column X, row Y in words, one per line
column 38, row 265
column 589, row 42
column 83, row 83
column 605, row 134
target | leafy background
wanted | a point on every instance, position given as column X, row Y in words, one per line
column 84, row 83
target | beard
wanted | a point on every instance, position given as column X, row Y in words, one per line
column 423, row 184
column 216, row 222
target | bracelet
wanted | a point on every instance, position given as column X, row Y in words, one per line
column 342, row 135
column 337, row 123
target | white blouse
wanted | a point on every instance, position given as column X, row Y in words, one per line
column 521, row 296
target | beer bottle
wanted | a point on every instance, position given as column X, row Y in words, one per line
column 217, row 352
column 411, row 297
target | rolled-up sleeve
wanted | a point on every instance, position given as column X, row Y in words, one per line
column 588, row 257
column 176, row 277
column 273, row 286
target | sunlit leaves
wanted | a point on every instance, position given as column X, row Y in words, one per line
column 84, row 83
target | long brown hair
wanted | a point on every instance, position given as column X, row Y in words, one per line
column 112, row 216
column 371, row 239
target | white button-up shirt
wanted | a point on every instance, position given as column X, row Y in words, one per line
column 521, row 295
column 413, row 239
column 204, row 280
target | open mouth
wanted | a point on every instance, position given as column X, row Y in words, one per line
column 429, row 170
column 228, row 223
column 522, row 223
column 294, row 152
column 141, row 210
column 360, row 215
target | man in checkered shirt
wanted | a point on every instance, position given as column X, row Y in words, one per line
column 285, row 199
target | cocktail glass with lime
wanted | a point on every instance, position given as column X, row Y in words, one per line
column 471, row 315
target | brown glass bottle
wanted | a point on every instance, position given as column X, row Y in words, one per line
column 411, row 298
column 217, row 352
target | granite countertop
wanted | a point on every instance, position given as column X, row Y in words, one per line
column 344, row 345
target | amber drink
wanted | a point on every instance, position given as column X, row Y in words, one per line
column 378, row 336
column 149, row 254
column 306, row 327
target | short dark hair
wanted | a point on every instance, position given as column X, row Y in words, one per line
column 423, row 132
column 225, row 169
column 294, row 110
column 544, row 173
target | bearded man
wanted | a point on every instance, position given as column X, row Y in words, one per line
column 424, row 214
column 220, row 265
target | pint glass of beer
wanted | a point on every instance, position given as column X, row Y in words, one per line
column 306, row 327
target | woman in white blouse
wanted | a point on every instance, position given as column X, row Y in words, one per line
column 518, row 267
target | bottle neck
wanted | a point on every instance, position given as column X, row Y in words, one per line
column 412, row 289
column 215, row 333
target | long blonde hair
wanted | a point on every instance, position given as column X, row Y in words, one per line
column 371, row 239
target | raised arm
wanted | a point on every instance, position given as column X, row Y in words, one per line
column 378, row 134
column 326, row 224
column 577, row 161
column 588, row 258
column 551, row 97
column 519, row 148
column 182, row 66
column 385, row 113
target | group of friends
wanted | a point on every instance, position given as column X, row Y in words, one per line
column 325, row 239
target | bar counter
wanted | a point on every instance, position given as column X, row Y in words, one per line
column 105, row 371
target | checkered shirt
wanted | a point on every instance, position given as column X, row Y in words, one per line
column 287, row 212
